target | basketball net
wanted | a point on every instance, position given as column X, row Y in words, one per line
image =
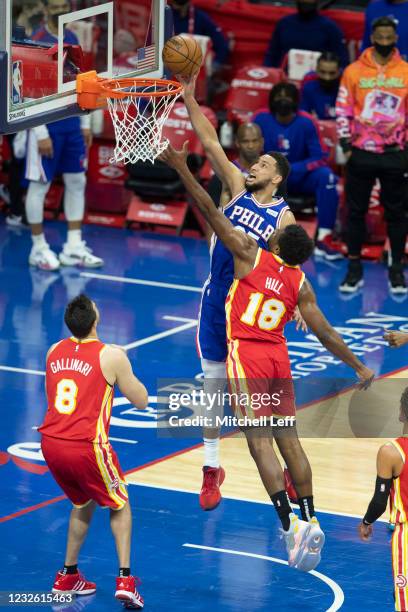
column 138, row 108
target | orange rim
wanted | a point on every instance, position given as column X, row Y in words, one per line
column 108, row 88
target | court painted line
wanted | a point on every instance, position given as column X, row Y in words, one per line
column 21, row 370
column 187, row 324
column 123, row 440
column 141, row 281
column 160, row 335
column 242, row 499
column 337, row 591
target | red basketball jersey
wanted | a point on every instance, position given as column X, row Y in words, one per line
column 399, row 487
column 259, row 305
column 79, row 398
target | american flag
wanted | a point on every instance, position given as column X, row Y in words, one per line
column 146, row 56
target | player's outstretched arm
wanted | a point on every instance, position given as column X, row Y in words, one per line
column 328, row 336
column 389, row 465
column 224, row 169
column 238, row 242
column 117, row 369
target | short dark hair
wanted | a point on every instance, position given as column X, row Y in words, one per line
column 295, row 245
column 329, row 56
column 80, row 315
column 384, row 22
column 404, row 403
column 288, row 88
column 282, row 164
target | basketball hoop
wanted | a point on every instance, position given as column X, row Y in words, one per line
column 138, row 109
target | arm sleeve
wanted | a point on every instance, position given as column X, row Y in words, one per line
column 345, row 110
column 41, row 132
column 378, row 504
column 273, row 55
column 207, row 27
column 85, row 122
column 315, row 155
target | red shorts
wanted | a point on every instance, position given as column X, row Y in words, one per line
column 86, row 472
column 259, row 373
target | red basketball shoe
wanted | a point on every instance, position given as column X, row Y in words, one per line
column 73, row 583
column 210, row 494
column 290, row 487
column 127, row 592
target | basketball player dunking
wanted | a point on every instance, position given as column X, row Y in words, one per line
column 255, row 208
column 267, row 287
column 392, row 482
column 80, row 376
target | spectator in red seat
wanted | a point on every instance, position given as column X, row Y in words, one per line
column 190, row 20
column 293, row 133
column 307, row 29
column 319, row 92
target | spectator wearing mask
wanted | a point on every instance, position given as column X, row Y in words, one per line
column 249, row 145
column 372, row 119
column 318, row 96
column 398, row 11
column 289, row 131
column 307, row 29
column 190, row 20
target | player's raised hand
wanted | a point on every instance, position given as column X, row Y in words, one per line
column 396, row 338
column 365, row 532
column 189, row 84
column 300, row 322
column 173, row 158
column 366, row 377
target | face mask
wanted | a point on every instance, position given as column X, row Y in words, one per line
column 384, row 50
column 36, row 20
column 306, row 10
column 329, row 85
column 283, row 107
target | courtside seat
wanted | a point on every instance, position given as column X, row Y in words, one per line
column 249, row 91
column 329, row 140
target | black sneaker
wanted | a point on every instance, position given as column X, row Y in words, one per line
column 354, row 277
column 396, row 280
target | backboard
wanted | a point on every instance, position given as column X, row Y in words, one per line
column 44, row 44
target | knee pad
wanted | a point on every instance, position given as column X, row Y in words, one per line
column 214, row 387
column 213, row 369
column 35, row 201
column 74, row 197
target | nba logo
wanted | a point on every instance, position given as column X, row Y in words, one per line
column 17, row 77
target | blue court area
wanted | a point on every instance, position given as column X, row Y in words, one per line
column 230, row 559
column 148, row 294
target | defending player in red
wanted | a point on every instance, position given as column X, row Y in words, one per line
column 392, row 482
column 80, row 377
column 266, row 289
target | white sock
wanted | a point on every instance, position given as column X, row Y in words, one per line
column 322, row 232
column 38, row 241
column 74, row 237
column 212, row 452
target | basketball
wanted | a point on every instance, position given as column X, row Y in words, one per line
column 182, row 55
